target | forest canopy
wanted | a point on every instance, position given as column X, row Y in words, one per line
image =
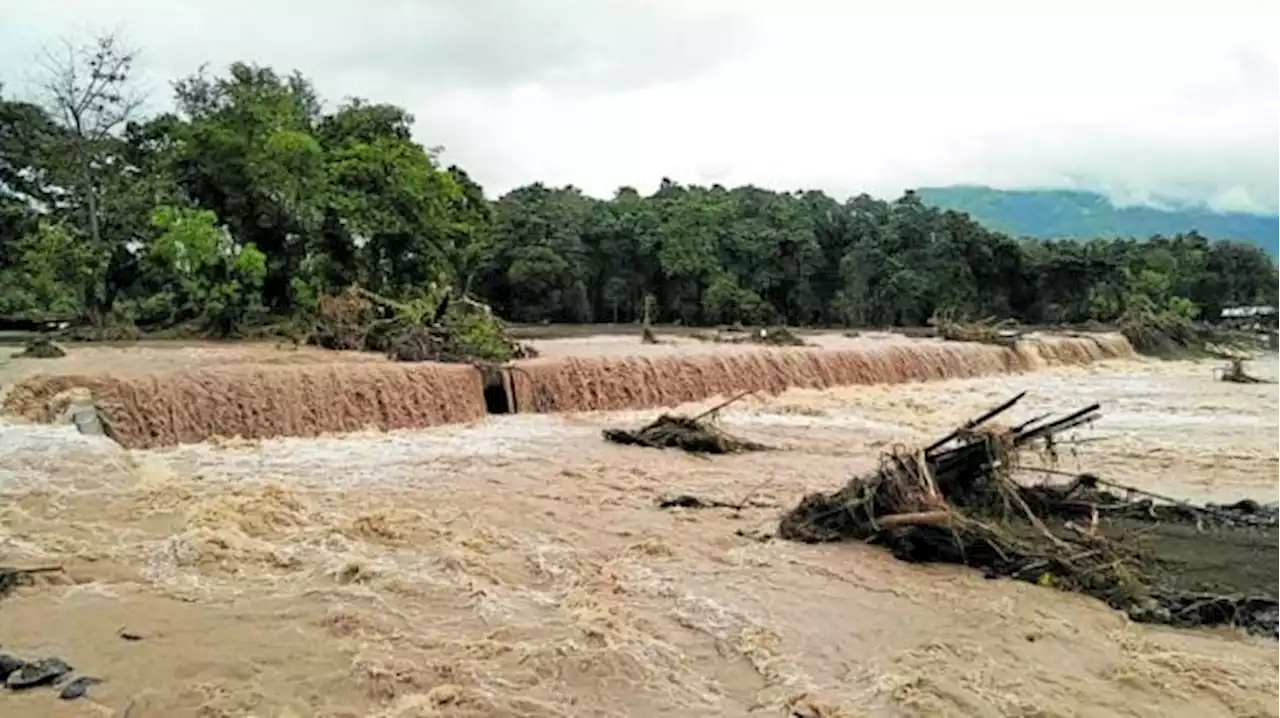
column 251, row 197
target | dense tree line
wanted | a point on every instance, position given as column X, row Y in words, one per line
column 252, row 197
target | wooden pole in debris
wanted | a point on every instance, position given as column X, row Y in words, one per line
column 972, row 423
column 721, row 405
column 1073, row 419
column 1133, row 490
column 919, row 518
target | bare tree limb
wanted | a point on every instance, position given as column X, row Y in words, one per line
column 88, row 88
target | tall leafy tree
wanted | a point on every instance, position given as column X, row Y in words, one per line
column 406, row 214
column 245, row 150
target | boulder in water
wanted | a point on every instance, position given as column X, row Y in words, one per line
column 87, row 421
column 79, row 688
column 9, row 664
column 38, row 673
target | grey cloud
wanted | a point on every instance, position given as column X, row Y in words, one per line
column 567, row 45
column 813, row 93
column 574, row 45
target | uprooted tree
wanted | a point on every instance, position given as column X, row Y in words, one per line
column 954, row 327
column 452, row 328
column 955, row 501
column 1172, row 334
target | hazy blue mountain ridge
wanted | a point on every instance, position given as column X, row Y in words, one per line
column 1058, row 214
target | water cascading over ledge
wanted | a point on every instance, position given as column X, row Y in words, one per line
column 617, row 383
column 259, row 401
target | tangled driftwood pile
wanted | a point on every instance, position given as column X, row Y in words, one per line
column 955, row 501
column 1170, row 336
column 696, row 434
column 453, row 329
column 11, row 578
column 1235, row 373
column 41, row 348
column 986, row 331
column 778, row 337
column 682, row 432
column 769, row 336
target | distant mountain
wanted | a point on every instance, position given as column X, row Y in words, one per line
column 1056, row 214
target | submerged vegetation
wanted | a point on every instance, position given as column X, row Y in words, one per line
column 251, row 200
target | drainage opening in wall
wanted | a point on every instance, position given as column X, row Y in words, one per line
column 496, row 398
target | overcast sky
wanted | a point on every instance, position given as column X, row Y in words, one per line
column 1136, row 98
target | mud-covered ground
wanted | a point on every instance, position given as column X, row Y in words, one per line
column 1228, row 561
column 518, row 566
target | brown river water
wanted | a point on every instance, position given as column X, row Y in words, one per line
column 518, row 566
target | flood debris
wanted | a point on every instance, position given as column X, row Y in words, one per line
column 41, row 348
column 1001, row 332
column 1163, row 335
column 737, row 334
column 696, row 434
column 956, row 501
column 646, row 329
column 689, row 501
column 670, row 431
column 11, row 578
column 1234, row 373
column 778, row 336
column 1171, row 336
column 453, row 328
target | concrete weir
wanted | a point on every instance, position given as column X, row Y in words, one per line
column 257, row 401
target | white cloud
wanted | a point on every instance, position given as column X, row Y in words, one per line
column 1134, row 97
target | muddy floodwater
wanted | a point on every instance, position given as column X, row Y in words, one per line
column 518, row 566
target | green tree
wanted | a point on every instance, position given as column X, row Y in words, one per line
column 251, row 199
column 539, row 267
column 244, row 150
column 52, row 270
column 211, row 278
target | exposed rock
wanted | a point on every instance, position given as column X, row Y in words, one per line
column 38, row 673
